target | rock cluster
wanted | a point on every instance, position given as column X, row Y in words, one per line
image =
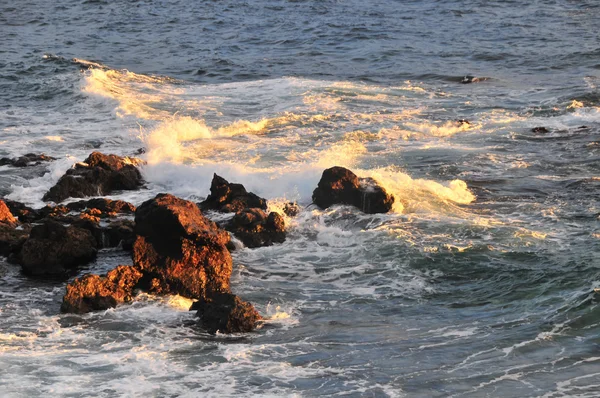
column 230, row 197
column 98, row 175
column 339, row 185
column 30, row 159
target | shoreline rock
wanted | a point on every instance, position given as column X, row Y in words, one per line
column 98, row 175
column 339, row 185
column 256, row 229
column 229, row 197
column 26, row 160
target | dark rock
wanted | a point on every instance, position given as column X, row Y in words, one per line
column 255, row 229
column 22, row 212
column 12, row 239
column 181, row 248
column 6, row 216
column 469, row 79
column 540, row 130
column 107, row 207
column 52, row 249
column 229, row 197
column 226, row 313
column 291, row 209
column 339, row 185
column 461, row 122
column 30, row 159
column 93, row 292
column 99, row 175
column 122, row 233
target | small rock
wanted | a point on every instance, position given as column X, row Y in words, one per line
column 230, row 198
column 99, row 175
column 226, row 313
column 339, row 185
column 6, row 216
column 540, row 130
column 52, row 249
column 255, row 229
column 93, row 292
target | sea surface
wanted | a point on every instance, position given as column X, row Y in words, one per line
column 479, row 283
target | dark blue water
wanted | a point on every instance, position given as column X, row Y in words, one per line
column 480, row 282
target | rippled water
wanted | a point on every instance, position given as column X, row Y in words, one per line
column 479, row 283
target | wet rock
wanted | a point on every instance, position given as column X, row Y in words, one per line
column 93, row 292
column 339, row 185
column 12, row 239
column 540, row 130
column 30, row 159
column 181, row 248
column 99, row 175
column 255, row 229
column 226, row 313
column 230, row 197
column 53, row 248
column 24, row 213
column 461, row 122
column 107, row 207
column 121, row 232
column 6, row 216
column 291, row 209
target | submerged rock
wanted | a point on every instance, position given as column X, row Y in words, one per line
column 230, row 197
column 30, row 159
column 93, row 292
column 182, row 249
column 99, row 175
column 52, row 249
column 540, row 130
column 255, row 229
column 339, row 185
column 226, row 313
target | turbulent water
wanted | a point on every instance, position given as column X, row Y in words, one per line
column 481, row 280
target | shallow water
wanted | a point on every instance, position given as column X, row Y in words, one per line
column 481, row 280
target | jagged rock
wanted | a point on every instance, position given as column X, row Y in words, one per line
column 52, row 248
column 255, row 229
column 99, row 175
column 226, row 313
column 24, row 213
column 230, row 197
column 26, row 160
column 93, row 292
column 107, row 207
column 6, row 216
column 181, row 248
column 339, row 185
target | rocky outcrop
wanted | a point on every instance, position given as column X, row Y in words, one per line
column 93, row 292
column 6, row 216
column 182, row 249
column 99, row 175
column 53, row 248
column 12, row 239
column 22, row 212
column 339, row 185
column 226, row 313
column 255, row 229
column 230, row 197
column 107, row 207
column 30, row 159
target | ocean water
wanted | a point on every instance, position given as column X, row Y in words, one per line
column 481, row 280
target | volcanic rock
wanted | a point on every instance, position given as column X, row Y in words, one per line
column 226, row 313
column 230, row 197
column 52, row 248
column 182, row 249
column 255, row 229
column 99, row 175
column 107, row 207
column 339, row 185
column 30, row 159
column 6, row 216
column 93, row 292
column 11, row 239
